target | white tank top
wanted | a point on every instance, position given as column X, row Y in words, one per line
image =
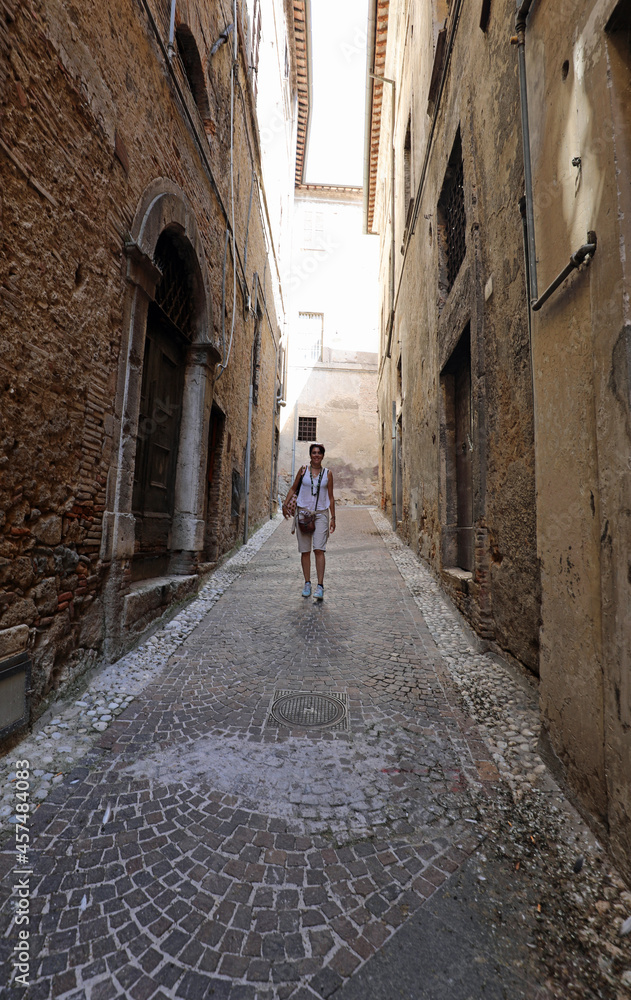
column 307, row 492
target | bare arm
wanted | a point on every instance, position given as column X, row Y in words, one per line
column 331, row 501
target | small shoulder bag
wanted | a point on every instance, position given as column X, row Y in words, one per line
column 289, row 506
column 307, row 518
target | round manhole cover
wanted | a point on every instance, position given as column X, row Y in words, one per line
column 313, row 711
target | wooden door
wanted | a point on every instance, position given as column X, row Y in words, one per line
column 158, row 438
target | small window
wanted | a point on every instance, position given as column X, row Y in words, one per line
column 307, row 428
column 237, row 493
column 313, row 230
column 309, row 337
column 192, row 64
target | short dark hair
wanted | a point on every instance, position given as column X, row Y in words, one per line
column 312, row 446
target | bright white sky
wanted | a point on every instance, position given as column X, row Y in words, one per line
column 336, row 141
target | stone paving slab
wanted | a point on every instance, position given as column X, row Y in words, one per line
column 197, row 852
column 466, row 943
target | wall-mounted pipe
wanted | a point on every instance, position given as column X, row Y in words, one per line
column 582, row 255
column 248, row 452
column 520, row 41
column 223, row 38
column 171, row 45
column 393, row 464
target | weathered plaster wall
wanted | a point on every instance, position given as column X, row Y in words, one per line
column 580, row 76
column 90, row 120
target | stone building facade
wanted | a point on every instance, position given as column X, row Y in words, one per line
column 142, row 316
column 455, row 384
column 332, row 343
column 509, row 407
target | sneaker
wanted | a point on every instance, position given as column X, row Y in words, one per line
column 319, row 592
column 306, row 590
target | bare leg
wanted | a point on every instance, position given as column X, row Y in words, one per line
column 305, row 559
column 320, row 561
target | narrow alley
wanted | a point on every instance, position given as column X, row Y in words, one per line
column 392, row 834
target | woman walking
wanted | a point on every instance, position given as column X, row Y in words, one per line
column 313, row 489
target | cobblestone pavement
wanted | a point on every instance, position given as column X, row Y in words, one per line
column 197, row 848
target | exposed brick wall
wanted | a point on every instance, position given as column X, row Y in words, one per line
column 89, row 118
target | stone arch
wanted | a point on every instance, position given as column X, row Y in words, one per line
column 165, row 214
column 164, row 206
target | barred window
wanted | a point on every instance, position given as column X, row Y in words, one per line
column 313, row 230
column 307, row 428
column 452, row 219
column 309, row 336
column 173, row 292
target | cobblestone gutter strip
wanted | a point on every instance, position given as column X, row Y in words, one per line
column 66, row 732
column 506, row 713
column 584, row 906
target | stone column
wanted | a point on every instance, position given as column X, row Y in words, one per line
column 187, row 533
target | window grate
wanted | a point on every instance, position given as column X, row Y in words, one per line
column 309, row 335
column 307, row 428
column 453, row 215
column 173, row 291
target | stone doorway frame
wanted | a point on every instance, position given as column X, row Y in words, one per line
column 163, row 206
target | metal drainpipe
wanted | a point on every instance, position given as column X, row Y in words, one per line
column 275, row 407
column 171, row 45
column 520, row 41
column 524, row 224
column 247, row 466
column 394, row 465
column 385, row 79
column 293, row 447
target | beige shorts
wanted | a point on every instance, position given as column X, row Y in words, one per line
column 317, row 538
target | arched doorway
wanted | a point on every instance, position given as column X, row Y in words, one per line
column 154, row 521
